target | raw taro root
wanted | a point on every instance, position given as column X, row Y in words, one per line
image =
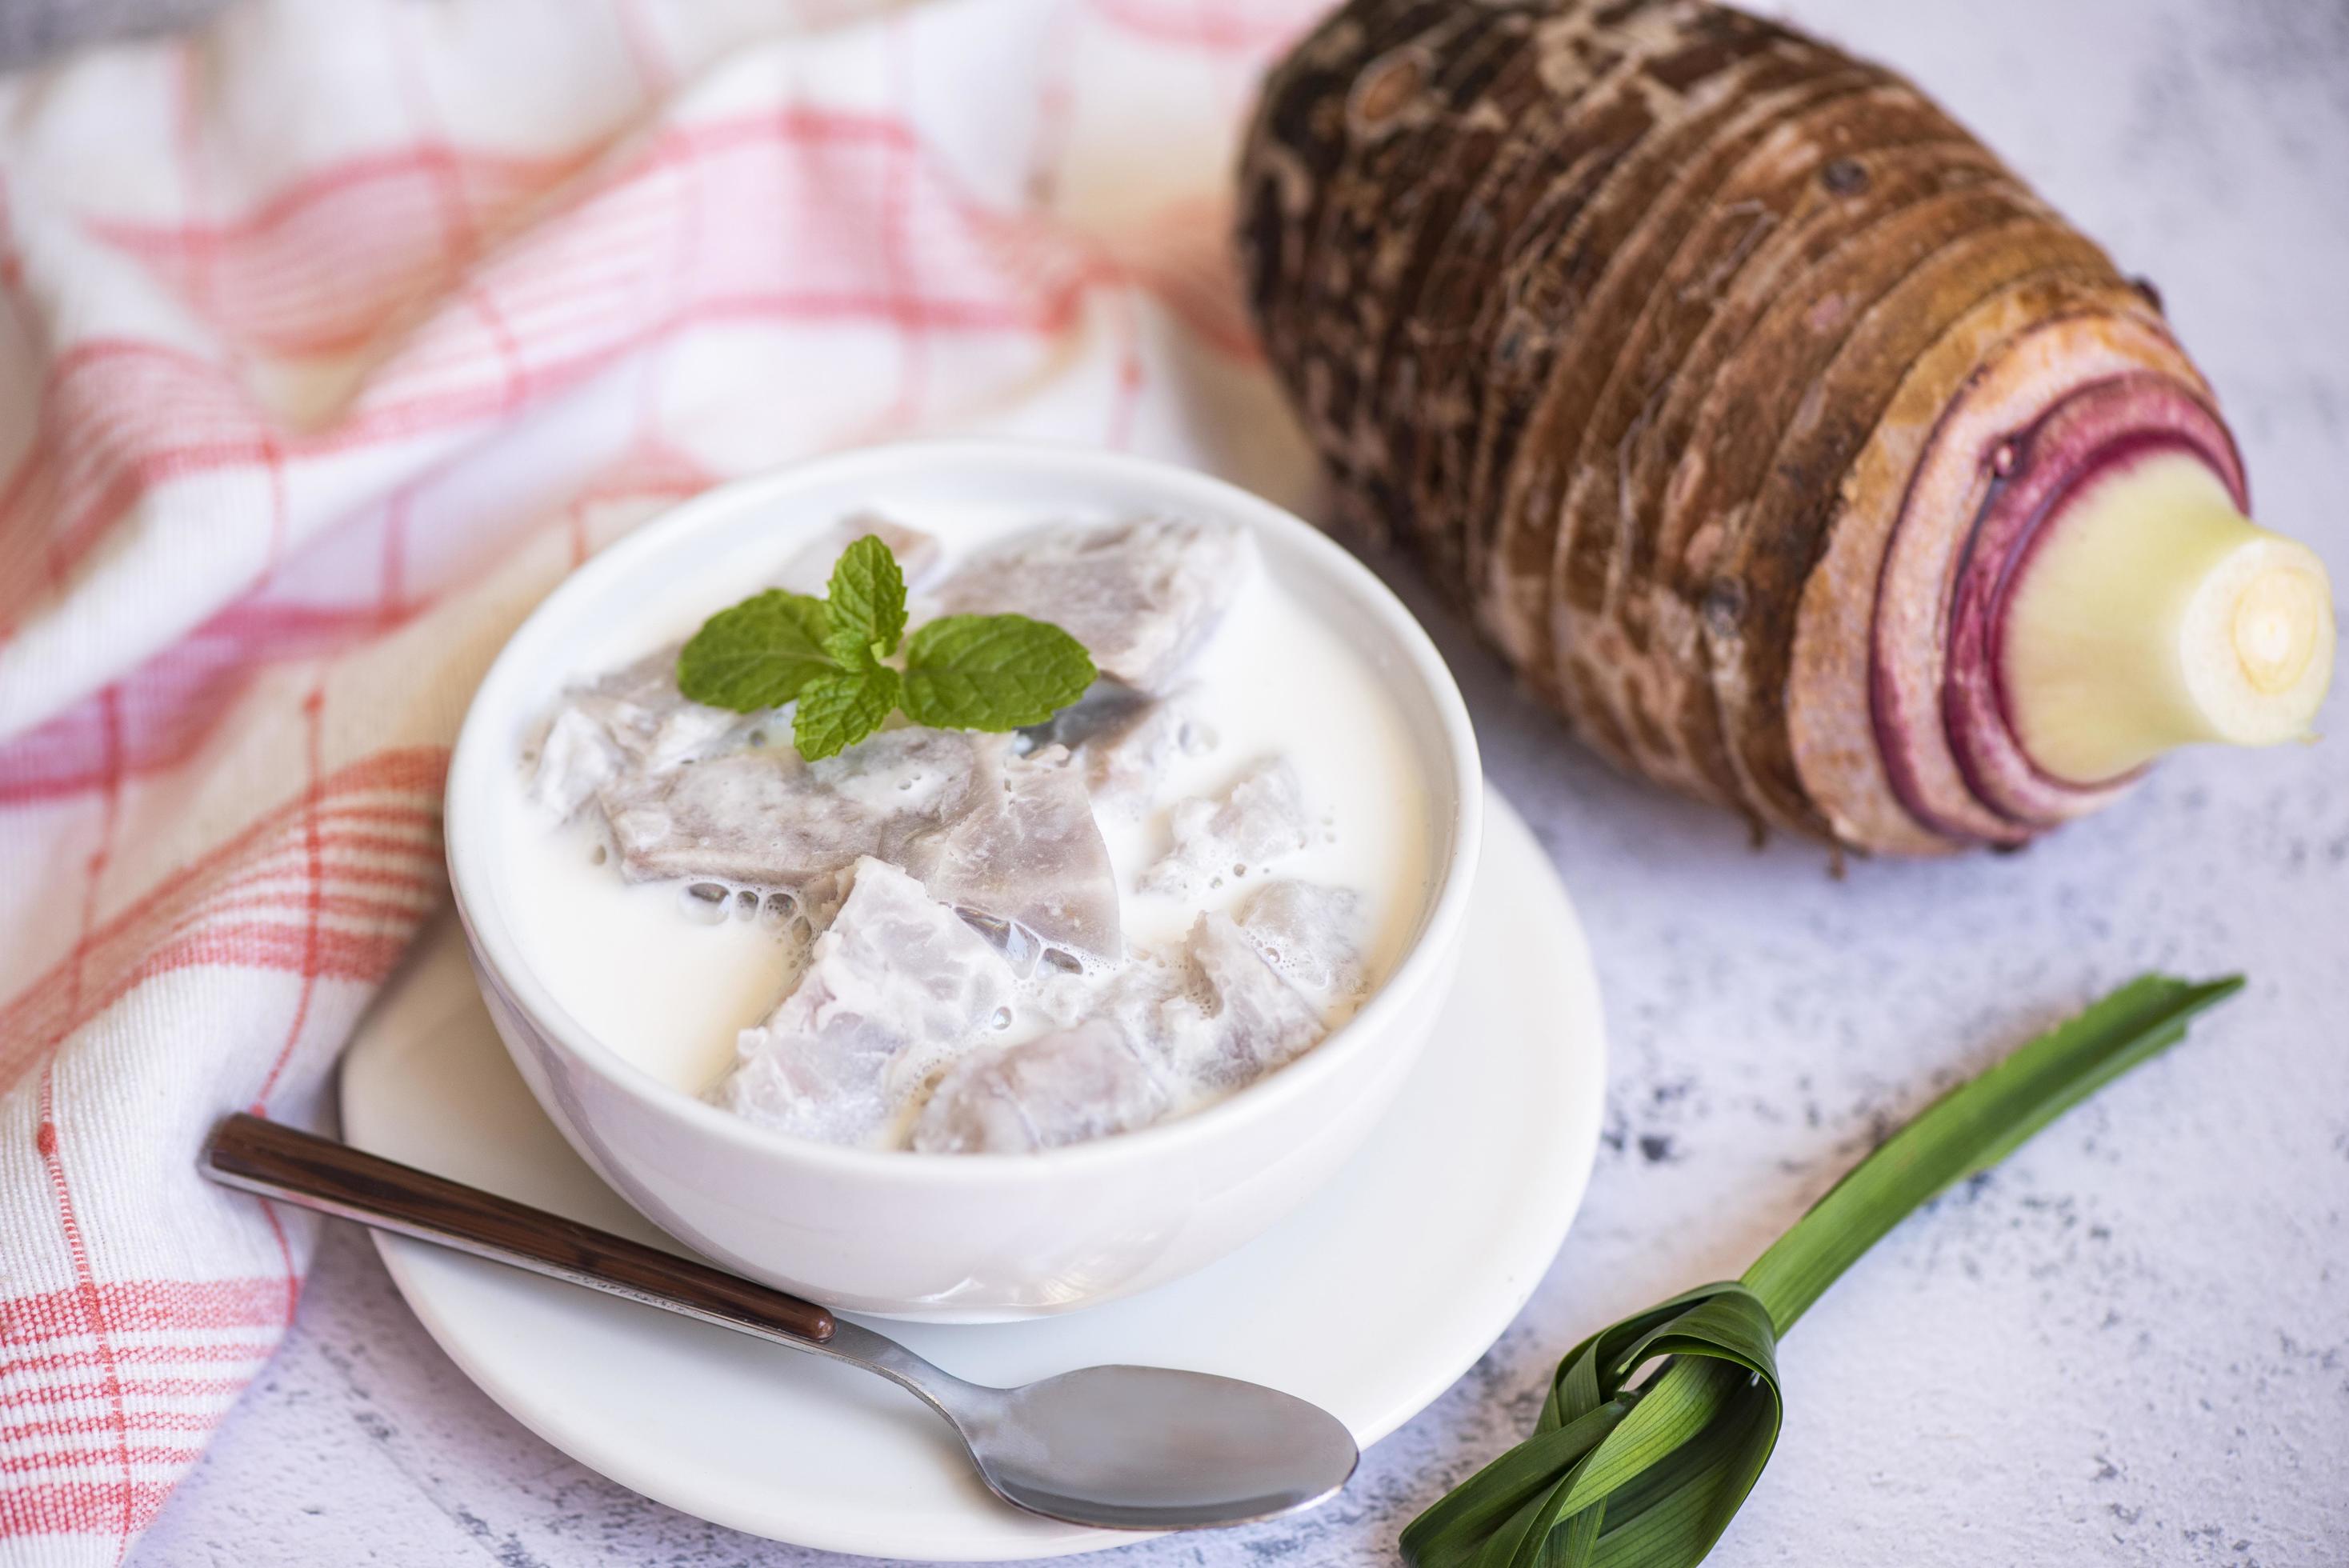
column 1777, row 434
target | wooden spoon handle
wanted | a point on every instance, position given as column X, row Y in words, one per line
column 258, row 1156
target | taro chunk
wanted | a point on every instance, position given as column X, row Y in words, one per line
column 1026, row 850
column 1107, row 708
column 809, row 571
column 1059, row 1088
column 1261, row 819
column 1143, row 597
column 1259, row 1021
column 1311, row 933
column 897, row 988
column 768, row 818
column 575, row 757
column 632, row 721
column 1215, row 1019
column 1127, row 759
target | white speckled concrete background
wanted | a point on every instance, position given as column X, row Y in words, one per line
column 2130, row 1346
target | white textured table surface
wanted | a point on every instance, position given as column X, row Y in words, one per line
column 2129, row 1346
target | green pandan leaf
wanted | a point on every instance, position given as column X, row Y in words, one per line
column 1622, row 1472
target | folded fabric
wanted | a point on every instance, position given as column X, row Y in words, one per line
column 330, row 338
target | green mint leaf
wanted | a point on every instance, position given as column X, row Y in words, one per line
column 992, row 672
column 840, row 708
column 965, row 672
column 758, row 653
column 866, row 600
column 851, row 652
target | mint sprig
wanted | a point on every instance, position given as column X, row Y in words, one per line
column 961, row 672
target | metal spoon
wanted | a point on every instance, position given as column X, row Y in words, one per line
column 1123, row 1447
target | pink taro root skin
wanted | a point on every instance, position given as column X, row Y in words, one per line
column 1997, row 476
column 2097, row 434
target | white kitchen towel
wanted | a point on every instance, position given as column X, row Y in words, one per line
column 330, row 338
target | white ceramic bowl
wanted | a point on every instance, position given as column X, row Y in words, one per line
column 959, row 1238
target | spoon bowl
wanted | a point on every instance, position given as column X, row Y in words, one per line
column 1147, row 1448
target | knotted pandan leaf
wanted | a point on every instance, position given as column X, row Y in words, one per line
column 1657, row 1428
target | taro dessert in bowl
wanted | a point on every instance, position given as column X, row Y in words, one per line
column 985, row 941
column 964, row 881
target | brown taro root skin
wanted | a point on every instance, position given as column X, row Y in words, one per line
column 1688, row 356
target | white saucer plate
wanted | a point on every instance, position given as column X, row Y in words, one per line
column 1371, row 1300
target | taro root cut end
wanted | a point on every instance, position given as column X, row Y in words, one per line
column 2151, row 613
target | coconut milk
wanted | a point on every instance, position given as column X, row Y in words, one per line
column 666, row 981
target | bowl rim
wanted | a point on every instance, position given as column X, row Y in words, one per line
column 481, row 763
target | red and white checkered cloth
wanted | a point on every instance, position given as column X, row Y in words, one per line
column 330, row 338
